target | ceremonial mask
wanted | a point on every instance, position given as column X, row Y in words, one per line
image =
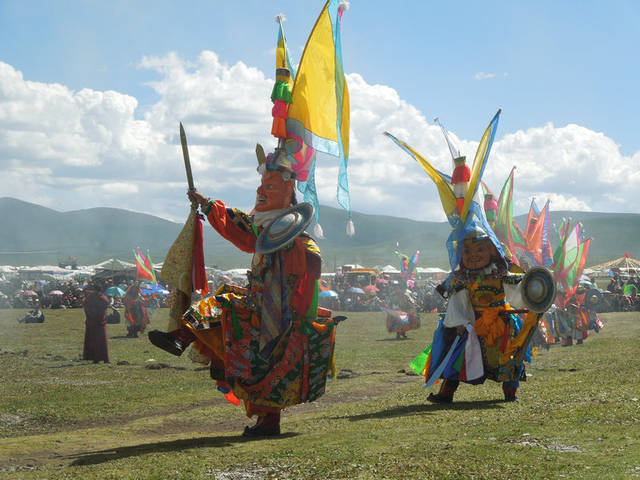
column 274, row 192
column 477, row 253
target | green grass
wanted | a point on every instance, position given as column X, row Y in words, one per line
column 60, row 417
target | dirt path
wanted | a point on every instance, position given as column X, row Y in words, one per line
column 156, row 431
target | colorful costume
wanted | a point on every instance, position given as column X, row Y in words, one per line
column 479, row 336
column 503, row 337
column 135, row 314
column 266, row 342
column 403, row 316
column 576, row 319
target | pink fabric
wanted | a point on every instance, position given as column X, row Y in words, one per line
column 279, row 109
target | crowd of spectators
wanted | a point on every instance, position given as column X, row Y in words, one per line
column 378, row 293
column 52, row 294
column 621, row 295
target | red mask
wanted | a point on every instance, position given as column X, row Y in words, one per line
column 273, row 193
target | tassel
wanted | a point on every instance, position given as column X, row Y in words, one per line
column 351, row 229
column 229, row 396
column 232, row 399
column 317, row 231
column 279, row 125
column 279, row 128
column 281, row 91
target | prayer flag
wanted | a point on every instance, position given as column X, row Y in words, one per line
column 144, row 267
column 506, row 228
column 318, row 116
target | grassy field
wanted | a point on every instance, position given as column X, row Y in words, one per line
column 148, row 414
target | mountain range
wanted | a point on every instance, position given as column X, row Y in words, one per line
column 31, row 234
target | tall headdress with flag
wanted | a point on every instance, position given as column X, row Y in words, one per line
column 311, row 109
column 466, row 218
column 407, row 265
column 404, row 261
column 144, row 267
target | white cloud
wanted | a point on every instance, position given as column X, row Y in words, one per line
column 70, row 150
column 560, row 202
column 488, row 76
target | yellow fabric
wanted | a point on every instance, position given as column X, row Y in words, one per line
column 447, row 197
column 475, row 172
column 177, row 266
column 514, row 343
column 344, row 128
column 314, row 92
column 177, row 272
column 490, row 325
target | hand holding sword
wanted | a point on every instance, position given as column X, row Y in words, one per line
column 194, row 195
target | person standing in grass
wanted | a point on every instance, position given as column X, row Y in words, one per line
column 134, row 312
column 95, row 336
column 263, row 343
column 480, row 336
column 266, row 343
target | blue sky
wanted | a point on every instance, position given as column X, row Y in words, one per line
column 565, row 62
column 565, row 74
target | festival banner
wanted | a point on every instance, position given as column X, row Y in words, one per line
column 144, row 267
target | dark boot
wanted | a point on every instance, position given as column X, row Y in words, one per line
column 167, row 342
column 509, row 393
column 266, row 426
column 445, row 395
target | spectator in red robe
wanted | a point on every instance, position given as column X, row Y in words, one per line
column 95, row 336
column 136, row 316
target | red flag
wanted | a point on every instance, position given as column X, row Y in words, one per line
column 144, row 268
column 626, row 254
column 199, row 274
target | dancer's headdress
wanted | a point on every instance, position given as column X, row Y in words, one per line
column 464, row 210
column 311, row 109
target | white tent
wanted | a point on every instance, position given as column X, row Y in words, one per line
column 114, row 265
column 430, row 270
column 235, row 272
column 390, row 269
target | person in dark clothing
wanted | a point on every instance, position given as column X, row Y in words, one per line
column 34, row 316
column 95, row 336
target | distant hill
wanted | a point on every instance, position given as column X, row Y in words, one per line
column 31, row 234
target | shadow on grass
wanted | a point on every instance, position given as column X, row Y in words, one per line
column 423, row 409
column 103, row 456
column 392, row 339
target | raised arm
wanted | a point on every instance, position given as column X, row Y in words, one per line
column 232, row 225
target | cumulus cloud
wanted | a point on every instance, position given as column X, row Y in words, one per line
column 68, row 150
